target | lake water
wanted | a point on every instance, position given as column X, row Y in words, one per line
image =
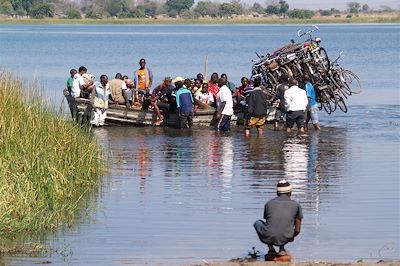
column 177, row 197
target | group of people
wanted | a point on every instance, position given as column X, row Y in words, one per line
column 183, row 95
column 294, row 105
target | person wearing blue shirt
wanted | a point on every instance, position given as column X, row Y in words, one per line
column 312, row 107
column 184, row 102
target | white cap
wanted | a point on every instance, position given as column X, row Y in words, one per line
column 284, row 186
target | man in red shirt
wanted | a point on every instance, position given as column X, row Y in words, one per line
column 213, row 85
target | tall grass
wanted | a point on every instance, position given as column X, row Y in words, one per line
column 49, row 167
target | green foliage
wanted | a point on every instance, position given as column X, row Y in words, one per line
column 329, row 12
column 20, row 11
column 90, row 13
column 73, row 13
column 174, row 7
column 284, row 6
column 257, row 8
column 365, row 8
column 278, row 8
column 354, row 7
column 272, row 9
column 325, row 13
column 232, row 8
column 41, row 10
column 114, row 7
column 137, row 13
column 301, row 13
column 150, row 8
column 6, row 8
column 186, row 14
column 49, row 167
column 206, row 8
column 24, row 6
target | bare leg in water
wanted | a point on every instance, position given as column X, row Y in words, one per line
column 260, row 131
column 158, row 113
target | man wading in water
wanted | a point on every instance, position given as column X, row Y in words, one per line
column 282, row 220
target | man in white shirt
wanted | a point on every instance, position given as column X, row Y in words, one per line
column 79, row 87
column 224, row 106
column 296, row 102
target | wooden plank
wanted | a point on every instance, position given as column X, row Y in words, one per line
column 119, row 114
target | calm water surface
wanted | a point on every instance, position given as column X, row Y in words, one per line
column 175, row 197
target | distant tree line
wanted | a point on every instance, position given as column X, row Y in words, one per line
column 171, row 8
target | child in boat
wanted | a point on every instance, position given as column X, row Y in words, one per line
column 205, row 96
column 197, row 87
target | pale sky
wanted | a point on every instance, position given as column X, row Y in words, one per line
column 327, row 4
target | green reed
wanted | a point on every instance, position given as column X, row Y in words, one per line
column 49, row 167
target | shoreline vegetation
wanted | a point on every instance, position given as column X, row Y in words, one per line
column 186, row 12
column 50, row 168
column 236, row 20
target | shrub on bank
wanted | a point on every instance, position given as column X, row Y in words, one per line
column 49, row 167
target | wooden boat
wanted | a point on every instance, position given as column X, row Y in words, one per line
column 137, row 116
column 120, row 115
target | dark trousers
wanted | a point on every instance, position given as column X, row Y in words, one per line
column 295, row 117
column 185, row 119
column 224, row 123
column 72, row 106
column 164, row 107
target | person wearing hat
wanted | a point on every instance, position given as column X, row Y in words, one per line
column 282, row 220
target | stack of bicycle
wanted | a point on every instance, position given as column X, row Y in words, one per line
column 333, row 84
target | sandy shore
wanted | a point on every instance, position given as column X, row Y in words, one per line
column 242, row 262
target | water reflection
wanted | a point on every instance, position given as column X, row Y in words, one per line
column 164, row 182
column 295, row 157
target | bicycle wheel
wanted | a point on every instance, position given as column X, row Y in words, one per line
column 306, row 68
column 352, row 81
column 332, row 97
column 324, row 58
column 342, row 104
column 272, row 80
column 270, row 94
column 321, row 60
column 296, row 71
column 336, row 77
column 343, row 93
column 284, row 71
column 324, row 100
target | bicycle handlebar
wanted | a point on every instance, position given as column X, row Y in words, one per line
column 308, row 32
column 340, row 55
